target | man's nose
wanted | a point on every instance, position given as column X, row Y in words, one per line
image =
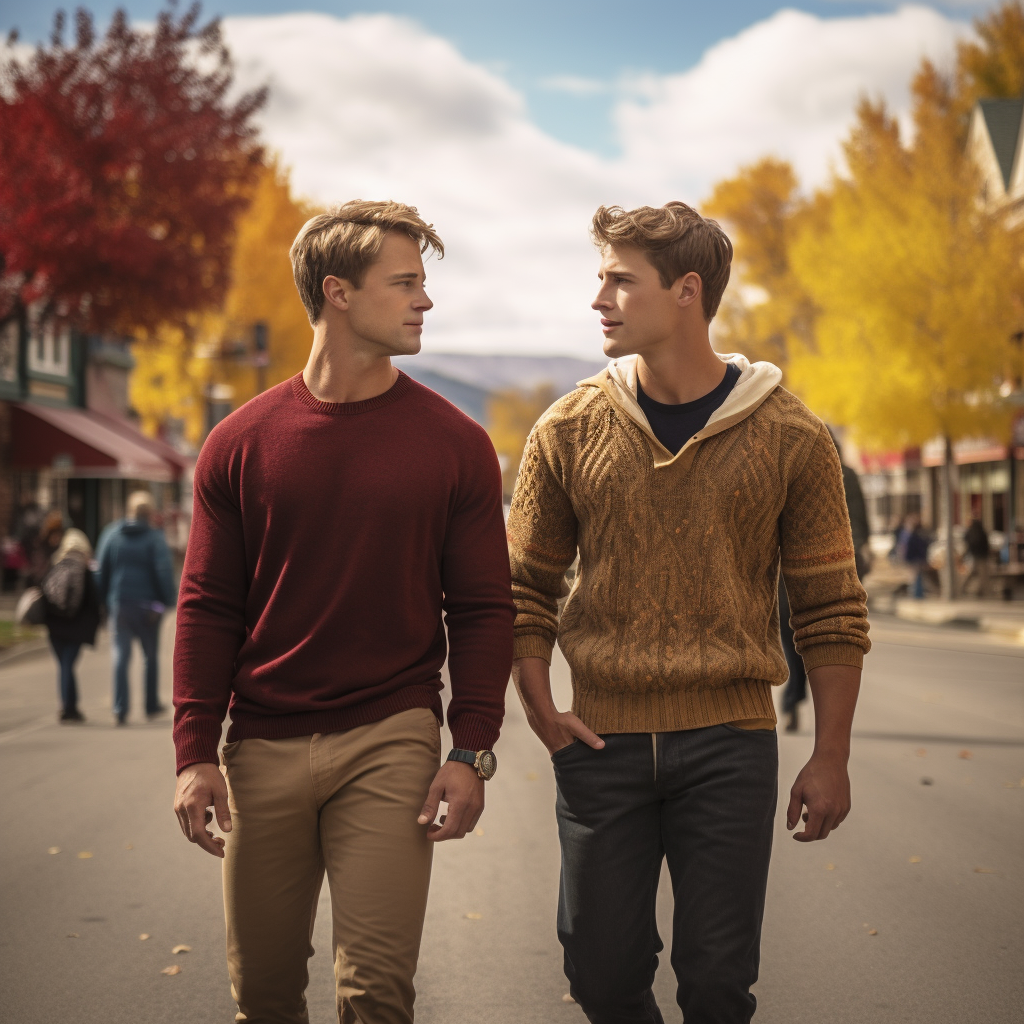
column 424, row 302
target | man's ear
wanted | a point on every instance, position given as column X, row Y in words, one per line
column 688, row 289
column 336, row 292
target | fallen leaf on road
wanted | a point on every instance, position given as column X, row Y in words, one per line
column 182, row 949
column 568, row 998
column 965, row 755
column 53, row 849
column 984, row 871
column 173, row 969
column 921, row 752
column 872, row 931
column 830, row 867
column 531, row 776
column 128, row 846
column 925, row 781
column 84, row 855
column 479, row 832
column 143, row 936
column 915, row 860
column 73, row 935
column 474, row 916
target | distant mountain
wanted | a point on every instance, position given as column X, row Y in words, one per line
column 496, row 373
column 467, row 397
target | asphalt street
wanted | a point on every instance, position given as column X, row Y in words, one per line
column 911, row 913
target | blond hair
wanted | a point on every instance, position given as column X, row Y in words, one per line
column 139, row 502
column 676, row 240
column 73, row 540
column 345, row 241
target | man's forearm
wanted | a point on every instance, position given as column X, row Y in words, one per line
column 834, row 689
column 532, row 678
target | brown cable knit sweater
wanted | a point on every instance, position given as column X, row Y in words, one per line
column 672, row 622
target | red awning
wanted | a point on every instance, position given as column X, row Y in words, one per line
column 88, row 443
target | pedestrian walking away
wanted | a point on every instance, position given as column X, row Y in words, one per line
column 684, row 480
column 344, row 523
column 136, row 584
column 980, row 550
column 72, row 614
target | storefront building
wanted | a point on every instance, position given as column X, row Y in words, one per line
column 66, row 438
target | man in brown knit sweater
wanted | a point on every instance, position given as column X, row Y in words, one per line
column 685, row 481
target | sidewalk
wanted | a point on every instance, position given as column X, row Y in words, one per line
column 1005, row 618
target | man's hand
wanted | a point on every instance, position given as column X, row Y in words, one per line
column 555, row 729
column 823, row 786
column 462, row 789
column 201, row 786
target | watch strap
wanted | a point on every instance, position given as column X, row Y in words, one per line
column 465, row 756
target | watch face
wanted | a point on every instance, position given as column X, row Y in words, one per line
column 486, row 763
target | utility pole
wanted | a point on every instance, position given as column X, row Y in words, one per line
column 261, row 353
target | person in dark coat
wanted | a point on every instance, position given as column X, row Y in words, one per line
column 979, row 548
column 795, row 692
column 72, row 614
column 136, row 584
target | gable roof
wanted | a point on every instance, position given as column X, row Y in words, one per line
column 1003, row 123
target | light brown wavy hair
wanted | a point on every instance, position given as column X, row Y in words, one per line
column 676, row 240
column 346, row 240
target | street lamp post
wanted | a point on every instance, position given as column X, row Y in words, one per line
column 261, row 353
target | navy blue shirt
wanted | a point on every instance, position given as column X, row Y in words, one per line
column 674, row 425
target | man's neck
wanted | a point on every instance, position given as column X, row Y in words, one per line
column 345, row 369
column 680, row 369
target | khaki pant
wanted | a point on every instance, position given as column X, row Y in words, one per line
column 346, row 802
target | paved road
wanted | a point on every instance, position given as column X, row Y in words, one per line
column 937, row 870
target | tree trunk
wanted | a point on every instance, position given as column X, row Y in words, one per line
column 949, row 566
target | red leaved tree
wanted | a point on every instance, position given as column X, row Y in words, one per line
column 123, row 167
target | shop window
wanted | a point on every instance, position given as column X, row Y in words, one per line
column 9, row 352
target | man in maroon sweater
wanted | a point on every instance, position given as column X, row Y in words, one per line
column 336, row 518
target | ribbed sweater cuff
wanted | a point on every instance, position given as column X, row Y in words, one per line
column 530, row 645
column 195, row 742
column 833, row 654
column 473, row 732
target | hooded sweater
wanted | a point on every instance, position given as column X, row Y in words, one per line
column 672, row 621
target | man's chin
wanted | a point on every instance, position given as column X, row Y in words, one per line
column 616, row 348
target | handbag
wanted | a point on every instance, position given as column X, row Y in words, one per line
column 31, row 609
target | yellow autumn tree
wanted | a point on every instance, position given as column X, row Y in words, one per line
column 916, row 286
column 511, row 415
column 766, row 308
column 178, row 364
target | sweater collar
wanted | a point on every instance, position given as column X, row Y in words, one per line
column 756, row 382
column 402, row 386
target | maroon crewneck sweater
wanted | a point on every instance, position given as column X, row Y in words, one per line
column 327, row 539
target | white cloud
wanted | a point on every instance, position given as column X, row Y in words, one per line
column 576, row 85
column 374, row 106
column 786, row 86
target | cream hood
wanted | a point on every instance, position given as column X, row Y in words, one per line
column 756, row 382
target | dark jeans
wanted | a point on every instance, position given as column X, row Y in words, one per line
column 705, row 800
column 135, row 620
column 67, row 655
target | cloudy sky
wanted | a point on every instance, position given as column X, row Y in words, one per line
column 507, row 124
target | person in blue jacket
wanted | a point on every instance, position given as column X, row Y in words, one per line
column 136, row 583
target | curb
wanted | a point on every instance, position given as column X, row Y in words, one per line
column 23, row 652
column 926, row 613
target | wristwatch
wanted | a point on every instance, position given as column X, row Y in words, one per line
column 484, row 761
